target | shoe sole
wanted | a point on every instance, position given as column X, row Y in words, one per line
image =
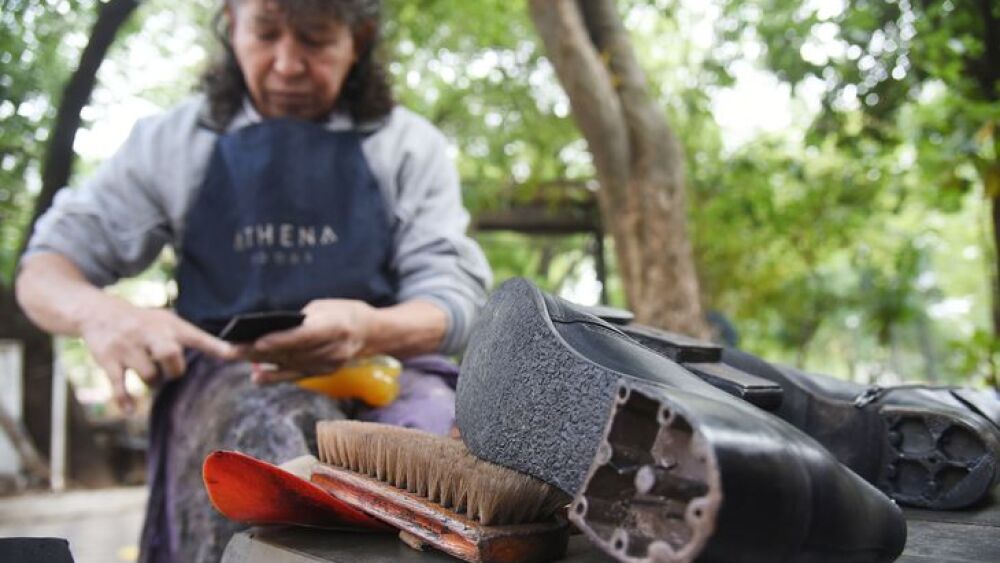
column 919, row 456
column 934, row 461
column 646, row 486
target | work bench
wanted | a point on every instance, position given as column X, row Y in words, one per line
column 971, row 536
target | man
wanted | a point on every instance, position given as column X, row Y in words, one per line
column 294, row 183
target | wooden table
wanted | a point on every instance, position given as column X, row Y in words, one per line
column 301, row 545
column 955, row 536
column 971, row 536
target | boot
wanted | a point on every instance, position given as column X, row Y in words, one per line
column 931, row 447
column 662, row 466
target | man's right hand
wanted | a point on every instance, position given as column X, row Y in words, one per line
column 58, row 298
column 150, row 342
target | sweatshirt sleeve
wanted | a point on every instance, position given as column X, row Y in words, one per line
column 112, row 225
column 434, row 259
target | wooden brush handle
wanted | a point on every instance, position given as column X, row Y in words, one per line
column 446, row 530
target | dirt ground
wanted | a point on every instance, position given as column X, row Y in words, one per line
column 102, row 526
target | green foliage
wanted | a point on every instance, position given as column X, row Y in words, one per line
column 908, row 118
column 830, row 248
column 893, row 74
column 488, row 87
column 39, row 41
column 40, row 45
column 774, row 230
column 978, row 356
column 552, row 262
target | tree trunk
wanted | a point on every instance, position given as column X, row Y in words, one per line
column 994, row 203
column 638, row 158
column 993, row 377
column 986, row 70
column 87, row 464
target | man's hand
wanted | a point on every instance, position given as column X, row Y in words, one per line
column 150, row 342
column 334, row 331
column 58, row 298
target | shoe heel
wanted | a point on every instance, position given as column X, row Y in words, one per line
column 653, row 491
column 524, row 400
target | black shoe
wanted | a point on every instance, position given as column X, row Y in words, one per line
column 704, row 359
column 932, row 447
column 662, row 465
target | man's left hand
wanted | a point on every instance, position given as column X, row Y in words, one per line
column 334, row 331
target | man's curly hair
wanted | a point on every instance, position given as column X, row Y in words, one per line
column 366, row 94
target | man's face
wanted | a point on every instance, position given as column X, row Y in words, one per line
column 291, row 71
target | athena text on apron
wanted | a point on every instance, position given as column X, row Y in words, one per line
column 272, row 236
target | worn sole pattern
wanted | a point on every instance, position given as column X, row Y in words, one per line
column 934, row 461
column 528, row 403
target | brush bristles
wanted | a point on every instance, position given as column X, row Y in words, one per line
column 439, row 469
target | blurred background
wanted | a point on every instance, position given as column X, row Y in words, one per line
column 841, row 167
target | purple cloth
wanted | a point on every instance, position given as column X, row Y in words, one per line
column 215, row 406
column 426, row 397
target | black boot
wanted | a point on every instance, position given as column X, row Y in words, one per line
column 924, row 446
column 662, row 465
column 932, row 447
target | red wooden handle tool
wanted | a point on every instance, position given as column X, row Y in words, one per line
column 246, row 489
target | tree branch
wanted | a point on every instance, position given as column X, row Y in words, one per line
column 76, row 95
column 645, row 119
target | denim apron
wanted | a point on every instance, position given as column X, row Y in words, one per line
column 288, row 212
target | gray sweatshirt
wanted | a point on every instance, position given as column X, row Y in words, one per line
column 117, row 222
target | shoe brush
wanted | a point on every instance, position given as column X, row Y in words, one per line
column 434, row 490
